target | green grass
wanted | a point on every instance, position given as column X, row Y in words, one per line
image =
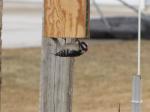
column 102, row 77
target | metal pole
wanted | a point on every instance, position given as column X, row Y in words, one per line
column 139, row 38
column 136, row 87
column 143, row 4
column 136, row 94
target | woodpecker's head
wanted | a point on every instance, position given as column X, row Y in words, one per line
column 83, row 46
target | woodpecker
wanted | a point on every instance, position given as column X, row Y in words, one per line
column 72, row 49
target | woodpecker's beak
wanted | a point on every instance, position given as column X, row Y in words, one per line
column 84, row 46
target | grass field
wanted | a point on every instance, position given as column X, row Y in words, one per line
column 102, row 78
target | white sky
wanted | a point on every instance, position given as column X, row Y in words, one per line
column 116, row 1
column 99, row 1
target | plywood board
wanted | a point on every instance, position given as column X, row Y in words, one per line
column 66, row 18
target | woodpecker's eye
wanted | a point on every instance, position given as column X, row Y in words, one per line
column 84, row 46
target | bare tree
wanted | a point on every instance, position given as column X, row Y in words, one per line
column 1, row 7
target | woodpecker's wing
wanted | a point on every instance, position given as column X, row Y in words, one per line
column 70, row 46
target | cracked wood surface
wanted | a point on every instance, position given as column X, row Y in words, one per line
column 66, row 18
column 56, row 78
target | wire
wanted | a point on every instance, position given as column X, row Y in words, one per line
column 131, row 7
column 102, row 15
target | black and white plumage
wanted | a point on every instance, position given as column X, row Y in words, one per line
column 72, row 49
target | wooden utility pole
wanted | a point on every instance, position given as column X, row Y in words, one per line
column 66, row 18
column 56, row 79
column 1, row 7
column 62, row 19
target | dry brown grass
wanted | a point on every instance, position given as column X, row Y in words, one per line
column 20, row 69
column 102, row 78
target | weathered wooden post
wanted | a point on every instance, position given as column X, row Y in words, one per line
column 62, row 19
column 1, row 7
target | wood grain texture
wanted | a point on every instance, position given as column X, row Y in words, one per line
column 66, row 18
column 56, row 78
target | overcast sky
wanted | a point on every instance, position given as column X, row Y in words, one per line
column 98, row 1
column 116, row 1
